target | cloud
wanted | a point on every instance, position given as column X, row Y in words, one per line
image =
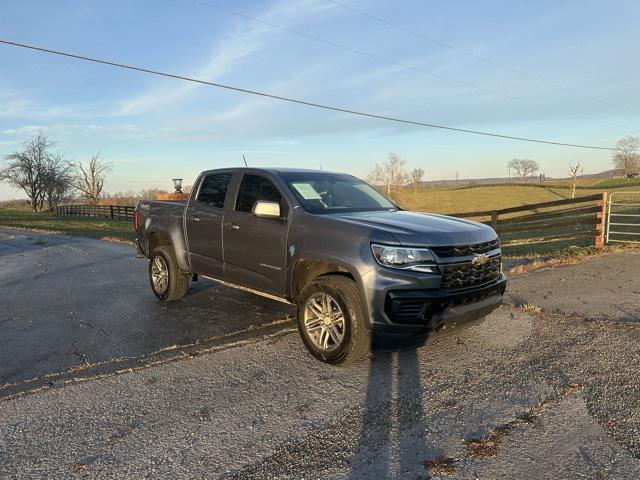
column 237, row 45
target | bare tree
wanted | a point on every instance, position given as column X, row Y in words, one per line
column 523, row 167
column 391, row 174
column 416, row 175
column 376, row 176
column 574, row 169
column 89, row 179
column 626, row 158
column 58, row 181
column 41, row 174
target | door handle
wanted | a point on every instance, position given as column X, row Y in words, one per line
column 195, row 219
column 233, row 226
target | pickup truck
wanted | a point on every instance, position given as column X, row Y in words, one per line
column 352, row 261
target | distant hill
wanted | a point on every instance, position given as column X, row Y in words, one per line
column 500, row 180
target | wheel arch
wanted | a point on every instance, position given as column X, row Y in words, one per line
column 159, row 237
column 307, row 270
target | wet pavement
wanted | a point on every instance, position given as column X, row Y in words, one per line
column 71, row 301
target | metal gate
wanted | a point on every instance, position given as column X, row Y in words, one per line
column 623, row 217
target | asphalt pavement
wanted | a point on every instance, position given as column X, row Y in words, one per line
column 99, row 380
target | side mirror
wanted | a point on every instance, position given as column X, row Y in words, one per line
column 265, row 209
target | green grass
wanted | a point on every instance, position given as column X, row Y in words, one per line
column 494, row 197
column 598, row 184
column 102, row 228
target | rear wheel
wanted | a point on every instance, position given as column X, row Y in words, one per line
column 167, row 281
column 331, row 320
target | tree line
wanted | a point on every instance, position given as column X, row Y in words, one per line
column 392, row 176
column 47, row 178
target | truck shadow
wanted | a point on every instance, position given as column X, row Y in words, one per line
column 392, row 441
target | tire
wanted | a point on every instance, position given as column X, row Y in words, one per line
column 344, row 295
column 176, row 283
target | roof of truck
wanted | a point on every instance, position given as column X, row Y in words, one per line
column 275, row 170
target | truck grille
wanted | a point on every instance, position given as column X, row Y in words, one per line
column 465, row 275
column 466, row 250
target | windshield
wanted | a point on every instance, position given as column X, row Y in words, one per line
column 335, row 193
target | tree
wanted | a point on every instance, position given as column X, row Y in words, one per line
column 574, row 169
column 58, row 181
column 89, row 179
column 391, row 174
column 523, row 167
column 40, row 173
column 626, row 158
column 416, row 175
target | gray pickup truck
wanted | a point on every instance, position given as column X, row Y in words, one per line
column 350, row 259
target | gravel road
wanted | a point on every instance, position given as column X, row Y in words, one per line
column 219, row 386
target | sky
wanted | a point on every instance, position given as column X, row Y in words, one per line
column 152, row 129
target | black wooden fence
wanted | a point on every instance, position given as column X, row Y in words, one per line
column 124, row 212
column 557, row 221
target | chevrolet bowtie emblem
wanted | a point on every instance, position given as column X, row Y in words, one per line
column 479, row 259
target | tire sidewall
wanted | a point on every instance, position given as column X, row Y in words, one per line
column 348, row 312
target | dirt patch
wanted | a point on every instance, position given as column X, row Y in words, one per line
column 441, row 466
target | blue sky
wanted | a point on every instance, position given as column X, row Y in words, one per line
column 152, row 129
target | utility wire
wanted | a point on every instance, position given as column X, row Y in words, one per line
column 472, row 55
column 399, row 64
column 297, row 101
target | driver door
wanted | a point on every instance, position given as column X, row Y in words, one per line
column 255, row 249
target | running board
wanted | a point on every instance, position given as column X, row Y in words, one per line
column 250, row 290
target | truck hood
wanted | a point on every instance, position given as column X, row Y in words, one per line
column 412, row 228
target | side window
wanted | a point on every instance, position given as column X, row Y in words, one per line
column 254, row 188
column 214, row 188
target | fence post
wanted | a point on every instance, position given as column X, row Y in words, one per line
column 111, row 210
column 494, row 220
column 602, row 219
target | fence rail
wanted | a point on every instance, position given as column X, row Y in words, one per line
column 124, row 212
column 564, row 220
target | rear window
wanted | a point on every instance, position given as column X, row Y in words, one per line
column 213, row 190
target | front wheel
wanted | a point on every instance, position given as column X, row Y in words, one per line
column 167, row 281
column 331, row 320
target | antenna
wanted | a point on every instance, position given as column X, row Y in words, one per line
column 245, row 160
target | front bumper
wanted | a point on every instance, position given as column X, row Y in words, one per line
column 400, row 302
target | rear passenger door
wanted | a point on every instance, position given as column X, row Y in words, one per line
column 203, row 224
column 255, row 249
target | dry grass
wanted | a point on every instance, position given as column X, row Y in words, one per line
column 568, row 256
column 530, row 308
column 489, row 446
column 440, row 466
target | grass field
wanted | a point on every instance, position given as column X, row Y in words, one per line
column 470, row 199
column 102, row 228
column 598, row 184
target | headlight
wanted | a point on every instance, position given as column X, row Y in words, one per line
column 403, row 258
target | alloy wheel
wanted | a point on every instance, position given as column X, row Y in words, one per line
column 159, row 274
column 324, row 322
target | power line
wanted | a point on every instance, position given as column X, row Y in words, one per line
column 399, row 64
column 297, row 101
column 472, row 55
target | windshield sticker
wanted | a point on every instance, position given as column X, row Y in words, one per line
column 307, row 191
